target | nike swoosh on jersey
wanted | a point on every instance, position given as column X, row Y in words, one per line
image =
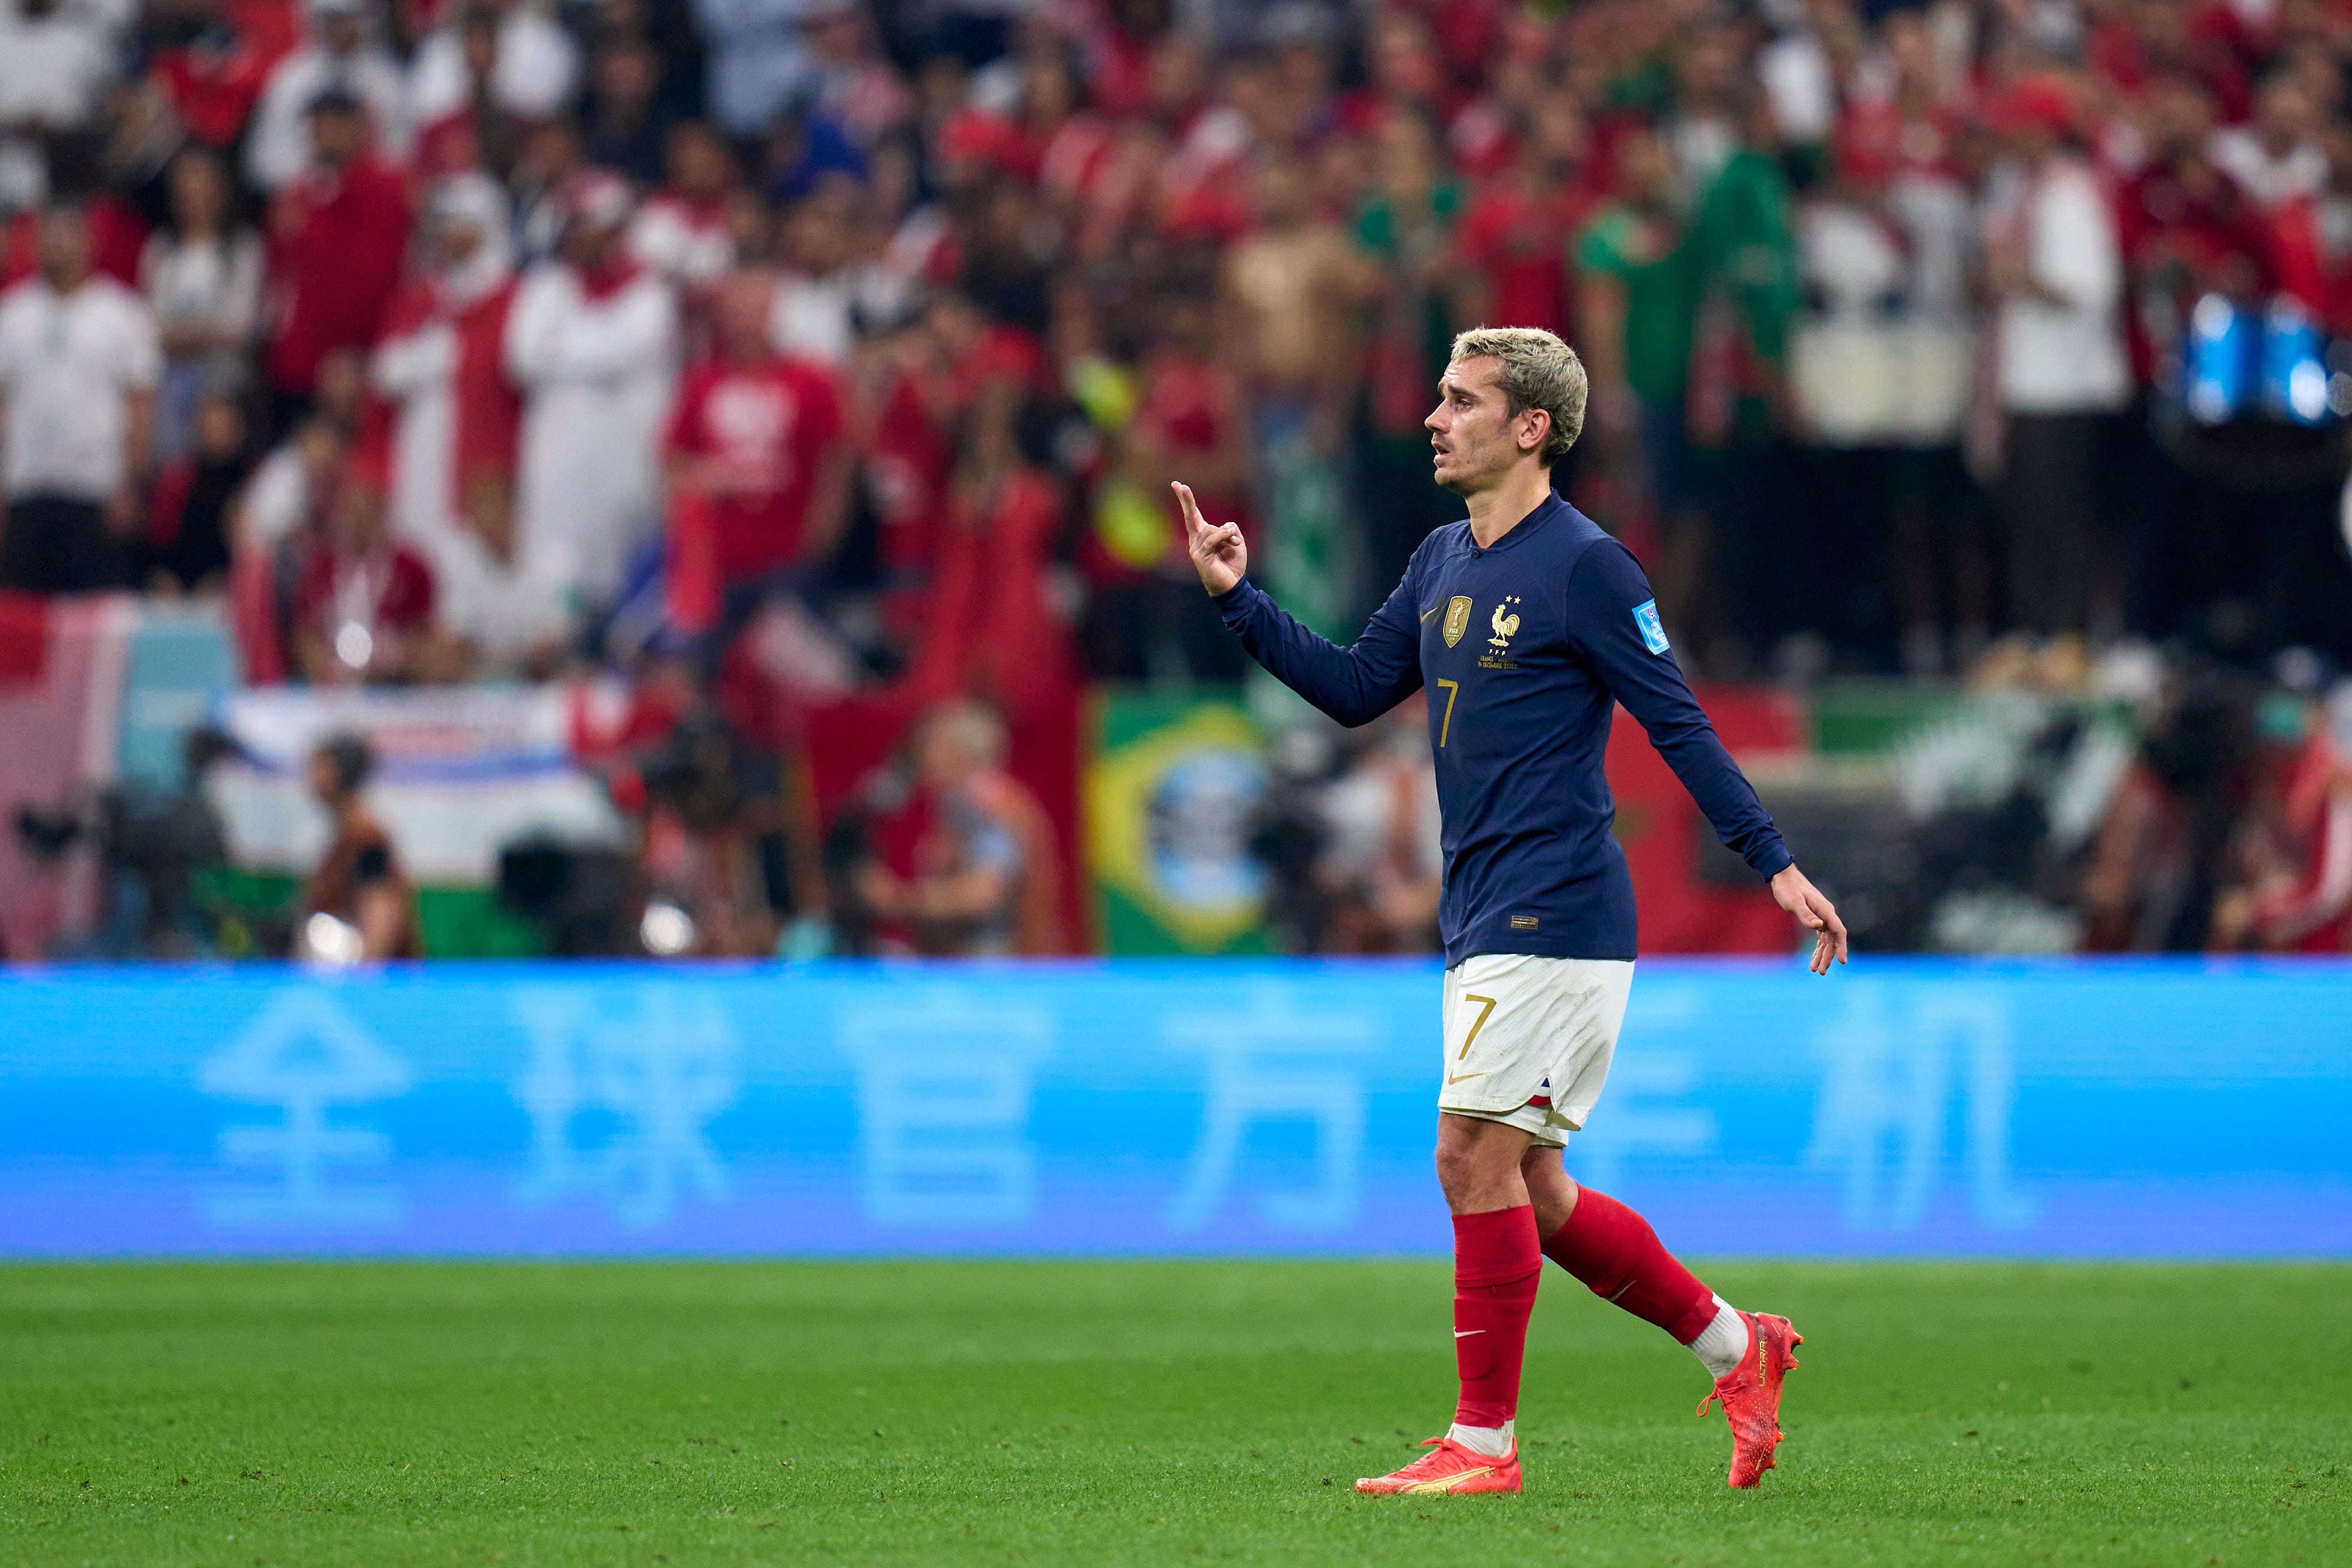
column 1465, row 1078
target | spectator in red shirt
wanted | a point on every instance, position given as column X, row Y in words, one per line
column 214, row 58
column 2308, row 912
column 1407, row 72
column 2321, row 234
column 2186, row 227
column 989, row 623
column 337, row 239
column 1191, row 419
column 118, row 237
column 1515, row 236
column 758, row 471
column 2292, row 880
column 363, row 602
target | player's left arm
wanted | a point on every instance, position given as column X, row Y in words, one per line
column 1612, row 622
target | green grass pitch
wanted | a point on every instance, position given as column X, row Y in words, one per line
column 641, row 1414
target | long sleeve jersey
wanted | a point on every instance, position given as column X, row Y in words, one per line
column 1525, row 647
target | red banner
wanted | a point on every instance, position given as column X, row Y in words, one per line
column 1661, row 829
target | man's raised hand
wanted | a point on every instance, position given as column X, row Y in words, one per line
column 1218, row 553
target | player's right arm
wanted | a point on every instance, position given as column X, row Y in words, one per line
column 1353, row 686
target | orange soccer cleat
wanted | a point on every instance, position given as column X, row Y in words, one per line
column 1751, row 1393
column 1450, row 1469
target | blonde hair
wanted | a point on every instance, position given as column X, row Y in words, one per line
column 1537, row 370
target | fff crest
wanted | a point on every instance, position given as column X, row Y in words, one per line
column 1457, row 618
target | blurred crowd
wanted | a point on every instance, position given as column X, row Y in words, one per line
column 790, row 354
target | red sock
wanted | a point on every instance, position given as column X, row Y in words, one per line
column 1497, row 1264
column 1613, row 1250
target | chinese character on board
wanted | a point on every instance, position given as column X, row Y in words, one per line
column 303, row 1056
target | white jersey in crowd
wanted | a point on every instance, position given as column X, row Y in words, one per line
column 814, row 318
column 277, row 499
column 278, row 149
column 205, row 282
column 53, row 69
column 2065, row 358
column 537, row 67
column 2273, row 179
column 69, row 364
column 668, row 237
column 503, row 609
column 416, row 366
column 416, row 372
column 596, row 374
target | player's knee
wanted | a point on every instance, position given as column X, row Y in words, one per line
column 1460, row 1170
column 1470, row 1166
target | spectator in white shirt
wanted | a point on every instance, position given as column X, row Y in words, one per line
column 78, row 362
column 55, row 61
column 538, row 66
column 2057, row 265
column 202, row 277
column 341, row 53
column 500, row 614
column 592, row 342
column 683, row 230
column 288, row 491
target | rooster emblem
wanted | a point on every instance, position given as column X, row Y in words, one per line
column 1506, row 625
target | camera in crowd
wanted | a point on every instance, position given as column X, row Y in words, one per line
column 720, row 791
column 151, row 842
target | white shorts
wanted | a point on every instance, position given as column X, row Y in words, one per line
column 1528, row 1039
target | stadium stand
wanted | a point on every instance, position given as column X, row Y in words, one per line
column 714, row 456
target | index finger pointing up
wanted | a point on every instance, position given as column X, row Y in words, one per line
column 1192, row 522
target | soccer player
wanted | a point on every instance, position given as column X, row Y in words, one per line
column 1528, row 626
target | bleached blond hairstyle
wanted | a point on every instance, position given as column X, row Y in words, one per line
column 1537, row 370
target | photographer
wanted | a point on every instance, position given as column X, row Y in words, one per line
column 980, row 871
column 717, row 857
column 356, row 907
column 151, row 844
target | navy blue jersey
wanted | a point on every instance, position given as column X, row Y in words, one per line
column 1525, row 647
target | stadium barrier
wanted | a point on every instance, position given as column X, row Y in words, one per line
column 1903, row 1106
